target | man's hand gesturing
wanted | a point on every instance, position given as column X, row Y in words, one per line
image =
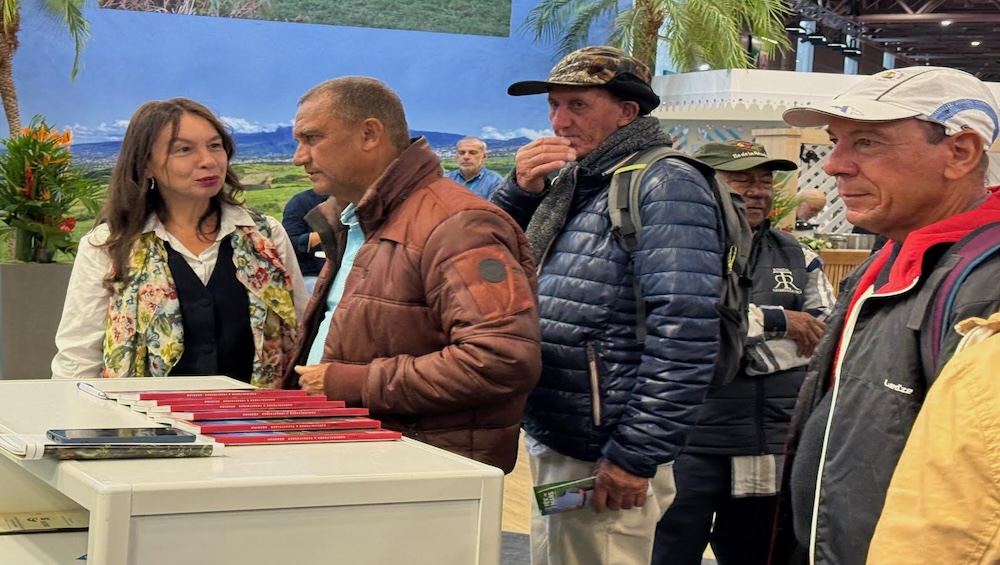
column 538, row 159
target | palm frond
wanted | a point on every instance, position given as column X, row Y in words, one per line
column 70, row 12
column 577, row 34
column 695, row 31
column 11, row 14
column 623, row 30
column 547, row 19
column 567, row 22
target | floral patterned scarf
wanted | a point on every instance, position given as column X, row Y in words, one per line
column 145, row 333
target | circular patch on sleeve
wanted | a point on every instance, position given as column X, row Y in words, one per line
column 492, row 270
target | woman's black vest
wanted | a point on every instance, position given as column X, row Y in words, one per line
column 216, row 318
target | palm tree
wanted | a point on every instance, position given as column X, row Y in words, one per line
column 68, row 11
column 699, row 31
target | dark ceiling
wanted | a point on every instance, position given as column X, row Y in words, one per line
column 913, row 31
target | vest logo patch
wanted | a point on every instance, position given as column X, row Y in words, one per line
column 784, row 281
column 897, row 387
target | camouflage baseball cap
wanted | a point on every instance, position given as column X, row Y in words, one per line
column 598, row 66
column 733, row 156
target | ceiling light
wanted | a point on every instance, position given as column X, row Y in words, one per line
column 852, row 52
column 976, row 43
column 816, row 38
column 837, row 45
column 767, row 39
column 945, row 23
column 797, row 30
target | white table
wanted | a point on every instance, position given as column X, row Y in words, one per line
column 378, row 503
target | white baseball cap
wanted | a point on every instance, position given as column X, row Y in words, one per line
column 949, row 97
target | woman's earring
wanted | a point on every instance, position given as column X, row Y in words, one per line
column 152, row 183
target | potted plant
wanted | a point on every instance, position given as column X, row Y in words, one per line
column 40, row 195
column 39, row 190
column 784, row 204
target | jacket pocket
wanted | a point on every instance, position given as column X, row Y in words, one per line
column 595, row 384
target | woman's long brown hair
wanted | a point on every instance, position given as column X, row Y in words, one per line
column 130, row 201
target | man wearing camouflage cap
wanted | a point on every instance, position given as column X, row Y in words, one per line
column 909, row 156
column 727, row 477
column 609, row 405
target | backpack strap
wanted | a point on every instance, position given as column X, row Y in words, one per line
column 623, row 202
column 936, row 298
column 623, row 207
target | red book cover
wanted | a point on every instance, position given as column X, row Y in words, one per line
column 270, row 404
column 243, row 393
column 230, row 426
column 238, row 414
column 304, row 436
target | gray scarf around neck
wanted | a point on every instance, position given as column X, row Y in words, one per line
column 551, row 214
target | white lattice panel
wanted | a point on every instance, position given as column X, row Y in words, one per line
column 811, row 175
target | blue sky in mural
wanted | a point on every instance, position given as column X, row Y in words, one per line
column 252, row 72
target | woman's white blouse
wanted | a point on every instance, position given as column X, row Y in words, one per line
column 80, row 337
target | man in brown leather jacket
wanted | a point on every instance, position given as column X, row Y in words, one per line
column 425, row 311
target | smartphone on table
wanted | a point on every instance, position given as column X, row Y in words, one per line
column 121, row 435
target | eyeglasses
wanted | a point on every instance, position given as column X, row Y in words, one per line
column 746, row 182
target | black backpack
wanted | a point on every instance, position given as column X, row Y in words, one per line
column 623, row 207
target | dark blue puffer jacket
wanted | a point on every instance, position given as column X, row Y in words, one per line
column 601, row 392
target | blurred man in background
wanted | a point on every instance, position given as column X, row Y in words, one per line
column 472, row 172
column 304, row 239
column 812, row 203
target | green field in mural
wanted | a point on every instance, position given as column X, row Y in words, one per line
column 269, row 186
column 472, row 17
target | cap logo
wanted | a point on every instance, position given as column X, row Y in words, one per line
column 888, row 75
column 744, row 145
column 848, row 110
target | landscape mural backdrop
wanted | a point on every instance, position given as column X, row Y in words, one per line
column 452, row 80
column 250, row 60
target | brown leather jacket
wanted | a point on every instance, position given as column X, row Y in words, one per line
column 437, row 332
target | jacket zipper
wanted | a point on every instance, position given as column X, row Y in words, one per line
column 758, row 416
column 595, row 385
column 845, row 341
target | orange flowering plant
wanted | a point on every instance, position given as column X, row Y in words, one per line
column 39, row 189
column 783, row 204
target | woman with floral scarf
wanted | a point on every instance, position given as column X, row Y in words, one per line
column 179, row 277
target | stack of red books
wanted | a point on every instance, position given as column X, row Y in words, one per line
column 258, row 416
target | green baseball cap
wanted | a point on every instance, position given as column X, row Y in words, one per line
column 599, row 66
column 740, row 155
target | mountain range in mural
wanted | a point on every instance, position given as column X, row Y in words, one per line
column 278, row 146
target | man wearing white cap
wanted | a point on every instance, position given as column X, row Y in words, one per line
column 909, row 159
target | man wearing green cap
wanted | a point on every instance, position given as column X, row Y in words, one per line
column 727, row 477
column 608, row 404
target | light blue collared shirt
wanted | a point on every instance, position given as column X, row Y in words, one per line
column 484, row 184
column 355, row 237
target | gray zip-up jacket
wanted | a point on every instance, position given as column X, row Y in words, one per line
column 867, row 384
